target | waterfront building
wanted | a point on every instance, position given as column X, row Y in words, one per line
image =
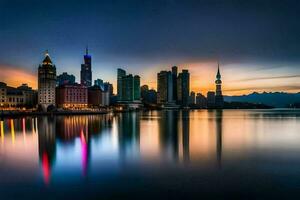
column 29, row 95
column 219, row 101
column 148, row 96
column 20, row 97
column 183, row 88
column 46, row 84
column 105, row 98
column 201, row 101
column 211, row 99
column 128, row 87
column 109, row 87
column 164, row 88
column 98, row 97
column 94, row 96
column 174, row 81
column 121, row 74
column 136, row 88
column 64, row 79
column 86, row 70
column 192, row 98
column 99, row 82
column 73, row 96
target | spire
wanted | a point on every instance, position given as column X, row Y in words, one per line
column 218, row 73
column 47, row 60
column 86, row 50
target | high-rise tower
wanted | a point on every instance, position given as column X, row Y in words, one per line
column 219, row 101
column 46, row 83
column 183, row 88
column 86, row 70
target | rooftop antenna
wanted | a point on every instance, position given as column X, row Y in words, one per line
column 87, row 50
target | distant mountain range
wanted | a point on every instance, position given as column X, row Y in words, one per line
column 275, row 99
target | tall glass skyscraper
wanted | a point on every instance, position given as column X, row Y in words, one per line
column 183, row 88
column 128, row 89
column 86, row 70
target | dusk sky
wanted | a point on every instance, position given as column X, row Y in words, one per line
column 256, row 42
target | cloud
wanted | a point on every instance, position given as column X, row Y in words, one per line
column 15, row 76
column 266, row 88
column 268, row 78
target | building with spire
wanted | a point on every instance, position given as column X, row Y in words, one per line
column 219, row 100
column 86, row 70
column 46, row 84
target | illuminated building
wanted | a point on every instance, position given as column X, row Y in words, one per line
column 46, row 84
column 219, row 101
column 20, row 97
column 86, row 70
column 65, row 78
column 73, row 96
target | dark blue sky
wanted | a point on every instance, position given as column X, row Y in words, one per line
column 145, row 36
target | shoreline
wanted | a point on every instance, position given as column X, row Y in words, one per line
column 5, row 114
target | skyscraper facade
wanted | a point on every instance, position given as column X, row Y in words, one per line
column 174, row 80
column 183, row 88
column 128, row 87
column 121, row 74
column 219, row 100
column 164, row 87
column 136, row 88
column 46, row 83
column 86, row 70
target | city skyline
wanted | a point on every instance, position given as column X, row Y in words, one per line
column 255, row 54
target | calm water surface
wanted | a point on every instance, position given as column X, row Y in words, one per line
column 152, row 155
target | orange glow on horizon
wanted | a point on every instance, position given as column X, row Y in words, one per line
column 15, row 77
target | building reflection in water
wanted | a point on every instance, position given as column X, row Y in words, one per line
column 47, row 144
column 219, row 118
column 176, row 136
column 128, row 134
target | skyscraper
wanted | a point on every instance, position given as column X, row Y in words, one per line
column 121, row 74
column 128, row 87
column 183, row 88
column 219, row 101
column 174, row 80
column 136, row 88
column 164, row 87
column 86, row 70
column 46, row 83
